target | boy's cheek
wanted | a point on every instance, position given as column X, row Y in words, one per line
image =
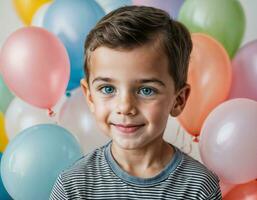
column 100, row 110
column 158, row 116
column 157, row 113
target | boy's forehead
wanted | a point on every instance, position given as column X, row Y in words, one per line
column 142, row 58
column 142, row 63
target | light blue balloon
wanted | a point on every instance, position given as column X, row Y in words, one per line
column 71, row 21
column 3, row 193
column 34, row 158
column 110, row 5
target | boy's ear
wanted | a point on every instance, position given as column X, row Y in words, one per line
column 180, row 101
column 86, row 91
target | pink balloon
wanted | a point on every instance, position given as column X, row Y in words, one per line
column 228, row 141
column 244, row 72
column 35, row 66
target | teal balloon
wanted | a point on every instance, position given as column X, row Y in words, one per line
column 34, row 158
column 222, row 19
column 5, row 96
column 71, row 21
column 3, row 193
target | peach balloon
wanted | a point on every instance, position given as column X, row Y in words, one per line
column 209, row 75
column 35, row 66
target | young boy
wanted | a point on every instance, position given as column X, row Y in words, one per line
column 136, row 71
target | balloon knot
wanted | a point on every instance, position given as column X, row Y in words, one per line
column 196, row 139
column 68, row 94
column 51, row 113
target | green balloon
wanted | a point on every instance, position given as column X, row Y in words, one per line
column 222, row 19
column 5, row 96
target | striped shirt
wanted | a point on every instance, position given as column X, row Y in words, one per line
column 98, row 176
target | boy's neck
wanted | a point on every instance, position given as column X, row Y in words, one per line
column 145, row 162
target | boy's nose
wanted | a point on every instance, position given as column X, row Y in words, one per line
column 126, row 105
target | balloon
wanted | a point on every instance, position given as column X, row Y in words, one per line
column 246, row 191
column 110, row 5
column 76, row 117
column 38, row 18
column 244, row 71
column 5, row 97
column 170, row 6
column 210, row 78
column 224, row 20
column 228, row 141
column 3, row 193
column 71, row 21
column 35, row 66
column 3, row 137
column 21, row 115
column 33, row 160
column 27, row 8
column 250, row 14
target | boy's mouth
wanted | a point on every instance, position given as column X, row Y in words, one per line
column 128, row 128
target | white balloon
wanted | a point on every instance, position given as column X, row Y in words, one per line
column 38, row 17
column 75, row 116
column 20, row 115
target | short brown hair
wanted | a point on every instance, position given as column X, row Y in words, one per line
column 132, row 26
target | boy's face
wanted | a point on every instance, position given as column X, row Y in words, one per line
column 132, row 94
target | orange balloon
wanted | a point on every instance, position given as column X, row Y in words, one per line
column 247, row 191
column 225, row 187
column 209, row 75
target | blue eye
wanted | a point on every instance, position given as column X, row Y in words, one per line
column 107, row 89
column 146, row 91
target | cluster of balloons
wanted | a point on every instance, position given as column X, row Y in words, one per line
column 222, row 107
column 43, row 61
column 210, row 70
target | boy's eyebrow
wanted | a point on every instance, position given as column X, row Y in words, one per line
column 151, row 80
column 102, row 79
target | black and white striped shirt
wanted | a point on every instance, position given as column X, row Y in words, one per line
column 98, row 176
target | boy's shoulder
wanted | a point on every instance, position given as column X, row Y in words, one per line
column 197, row 175
column 193, row 167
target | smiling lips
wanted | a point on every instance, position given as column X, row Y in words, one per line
column 128, row 128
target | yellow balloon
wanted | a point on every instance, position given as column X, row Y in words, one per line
column 27, row 8
column 3, row 136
